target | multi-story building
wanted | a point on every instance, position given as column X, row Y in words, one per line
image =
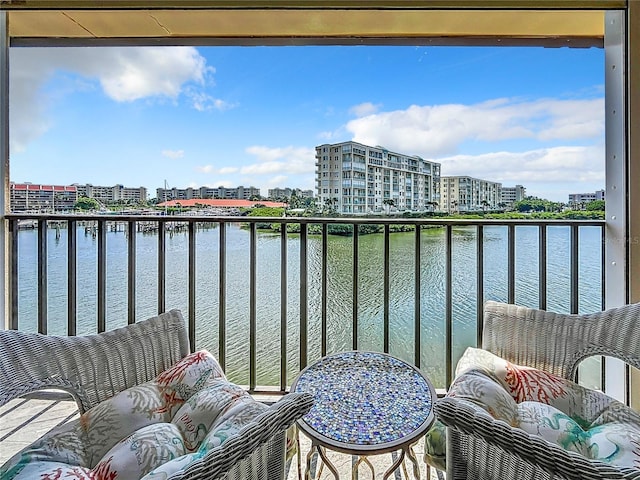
column 579, row 199
column 358, row 179
column 117, row 193
column 511, row 195
column 241, row 192
column 30, row 197
column 275, row 193
column 468, row 194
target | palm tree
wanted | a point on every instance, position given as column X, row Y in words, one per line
column 388, row 203
column 294, row 200
column 331, row 204
column 485, row 205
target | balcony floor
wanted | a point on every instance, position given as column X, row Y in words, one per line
column 24, row 420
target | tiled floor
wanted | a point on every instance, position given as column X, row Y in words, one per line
column 24, row 420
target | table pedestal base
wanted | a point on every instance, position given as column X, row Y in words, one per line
column 320, row 451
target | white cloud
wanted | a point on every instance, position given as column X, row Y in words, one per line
column 124, row 74
column 203, row 102
column 27, row 114
column 275, row 167
column 290, row 160
column 210, row 169
column 548, row 165
column 173, row 154
column 277, row 181
column 434, row 131
column 364, row 109
column 326, row 135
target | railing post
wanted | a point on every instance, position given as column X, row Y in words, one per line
column 162, row 265
column 542, row 267
column 479, row 285
column 574, row 268
column 325, row 248
column 222, row 295
column 417, row 286
column 386, row 288
column 13, row 274
column 448, row 306
column 192, row 284
column 102, row 275
column 252, row 306
column 42, row 276
column 511, row 264
column 72, row 282
column 303, row 295
column 131, row 268
column 283, row 307
column 354, row 293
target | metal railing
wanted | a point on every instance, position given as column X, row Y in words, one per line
column 100, row 225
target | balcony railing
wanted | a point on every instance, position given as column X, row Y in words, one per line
column 268, row 302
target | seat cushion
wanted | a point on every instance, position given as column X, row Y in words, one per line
column 151, row 430
column 576, row 418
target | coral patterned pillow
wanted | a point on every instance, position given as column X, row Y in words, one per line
column 151, row 429
column 576, row 418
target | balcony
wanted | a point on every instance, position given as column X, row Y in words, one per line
column 269, row 302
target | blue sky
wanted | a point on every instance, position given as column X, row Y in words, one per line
column 253, row 115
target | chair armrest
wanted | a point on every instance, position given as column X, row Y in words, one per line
column 229, row 460
column 557, row 343
column 91, row 368
column 479, row 426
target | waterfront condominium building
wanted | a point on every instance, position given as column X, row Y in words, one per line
column 242, row 193
column 468, row 194
column 114, row 194
column 577, row 200
column 31, row 197
column 275, row 193
column 357, row 179
column 511, row 195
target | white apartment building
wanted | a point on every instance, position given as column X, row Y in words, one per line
column 240, row 192
column 114, row 194
column 511, row 195
column 468, row 194
column 578, row 199
column 358, row 179
column 277, row 192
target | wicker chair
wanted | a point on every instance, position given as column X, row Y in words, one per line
column 480, row 447
column 94, row 368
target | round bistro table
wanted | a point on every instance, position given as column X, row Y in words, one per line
column 365, row 403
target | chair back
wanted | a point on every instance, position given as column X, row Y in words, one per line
column 556, row 342
column 91, row 368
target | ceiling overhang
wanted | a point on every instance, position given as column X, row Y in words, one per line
column 127, row 22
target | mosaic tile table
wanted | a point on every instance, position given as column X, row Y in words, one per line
column 366, row 403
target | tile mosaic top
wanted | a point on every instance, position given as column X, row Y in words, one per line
column 366, row 399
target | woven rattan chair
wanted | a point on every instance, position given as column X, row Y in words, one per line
column 480, row 447
column 94, row 368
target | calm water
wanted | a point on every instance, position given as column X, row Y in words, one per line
column 370, row 295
